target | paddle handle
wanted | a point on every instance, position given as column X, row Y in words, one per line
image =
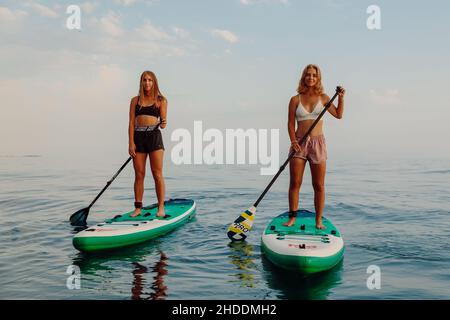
column 327, row 105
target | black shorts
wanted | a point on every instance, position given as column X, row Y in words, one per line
column 149, row 141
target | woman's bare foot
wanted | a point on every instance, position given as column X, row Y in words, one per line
column 161, row 212
column 290, row 222
column 319, row 224
column 136, row 212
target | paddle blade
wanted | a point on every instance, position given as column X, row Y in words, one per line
column 240, row 228
column 79, row 217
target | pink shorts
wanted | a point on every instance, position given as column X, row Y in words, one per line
column 314, row 149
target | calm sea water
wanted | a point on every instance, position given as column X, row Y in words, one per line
column 393, row 214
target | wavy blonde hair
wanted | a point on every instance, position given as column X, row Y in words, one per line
column 155, row 93
column 302, row 87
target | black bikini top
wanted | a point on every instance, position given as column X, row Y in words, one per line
column 152, row 110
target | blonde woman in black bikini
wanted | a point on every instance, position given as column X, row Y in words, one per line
column 303, row 110
column 147, row 110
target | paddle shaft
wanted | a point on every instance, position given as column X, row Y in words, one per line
column 327, row 105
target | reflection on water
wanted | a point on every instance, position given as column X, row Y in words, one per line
column 138, row 282
column 99, row 264
column 291, row 285
column 158, row 286
column 242, row 257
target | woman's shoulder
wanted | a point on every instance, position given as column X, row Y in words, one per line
column 324, row 97
column 296, row 98
column 134, row 100
column 162, row 101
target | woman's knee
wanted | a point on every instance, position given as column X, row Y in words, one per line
column 318, row 187
column 139, row 174
column 157, row 175
column 295, row 184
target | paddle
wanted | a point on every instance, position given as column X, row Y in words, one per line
column 79, row 218
column 239, row 229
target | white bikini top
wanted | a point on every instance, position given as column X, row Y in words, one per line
column 301, row 114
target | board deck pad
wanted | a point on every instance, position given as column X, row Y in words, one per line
column 172, row 208
column 305, row 224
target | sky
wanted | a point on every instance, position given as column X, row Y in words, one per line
column 230, row 64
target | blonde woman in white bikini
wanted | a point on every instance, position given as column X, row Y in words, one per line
column 303, row 110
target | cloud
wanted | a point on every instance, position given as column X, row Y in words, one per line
column 111, row 24
column 180, row 32
column 145, row 41
column 149, row 31
column 225, row 35
column 106, row 40
column 387, row 98
column 43, row 10
column 10, row 16
column 89, row 7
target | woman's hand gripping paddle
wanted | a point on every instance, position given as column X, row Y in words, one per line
column 240, row 228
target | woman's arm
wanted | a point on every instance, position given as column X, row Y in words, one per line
column 131, row 146
column 163, row 114
column 293, row 103
column 338, row 111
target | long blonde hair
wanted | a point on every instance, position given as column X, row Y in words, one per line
column 302, row 87
column 155, row 94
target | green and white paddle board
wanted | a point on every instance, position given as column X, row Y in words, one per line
column 123, row 230
column 302, row 248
